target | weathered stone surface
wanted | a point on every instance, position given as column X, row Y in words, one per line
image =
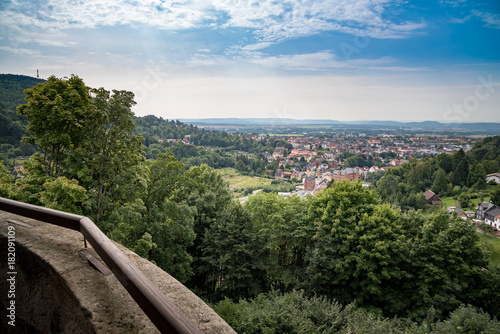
column 58, row 291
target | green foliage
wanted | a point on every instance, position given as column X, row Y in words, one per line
column 446, row 260
column 283, row 224
column 477, row 177
column 296, row 313
column 171, row 225
column 233, row 256
column 440, row 184
column 63, row 194
column 144, row 245
column 12, row 87
column 289, row 313
column 57, row 111
column 467, row 319
column 6, row 181
column 388, row 188
column 277, row 186
column 495, row 198
column 204, row 190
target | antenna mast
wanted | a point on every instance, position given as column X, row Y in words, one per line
column 37, row 76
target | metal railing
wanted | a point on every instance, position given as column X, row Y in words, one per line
column 162, row 312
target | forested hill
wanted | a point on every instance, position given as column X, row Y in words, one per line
column 12, row 125
column 12, row 88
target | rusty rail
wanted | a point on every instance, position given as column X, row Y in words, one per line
column 160, row 310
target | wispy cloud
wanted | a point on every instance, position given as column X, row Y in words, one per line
column 20, row 51
column 270, row 21
column 490, row 20
column 63, row 14
column 452, row 3
column 274, row 21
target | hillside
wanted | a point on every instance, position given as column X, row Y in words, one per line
column 12, row 88
column 12, row 125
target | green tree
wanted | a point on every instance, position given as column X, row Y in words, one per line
column 233, row 256
column 6, row 181
column 388, row 188
column 283, row 224
column 171, row 227
column 57, row 111
column 445, row 162
column 461, row 168
column 203, row 189
column 110, row 152
column 477, row 177
column 163, row 174
column 357, row 245
column 440, row 182
column 446, row 260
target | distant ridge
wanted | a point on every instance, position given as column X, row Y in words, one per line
column 360, row 124
column 257, row 121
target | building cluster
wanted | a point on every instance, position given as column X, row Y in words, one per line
column 325, row 157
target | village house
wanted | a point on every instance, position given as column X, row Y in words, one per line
column 489, row 213
column 431, row 198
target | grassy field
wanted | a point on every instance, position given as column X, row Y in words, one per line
column 448, row 201
column 238, row 181
column 495, row 242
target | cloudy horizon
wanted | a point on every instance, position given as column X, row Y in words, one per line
column 338, row 60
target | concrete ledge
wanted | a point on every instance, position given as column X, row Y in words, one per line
column 57, row 290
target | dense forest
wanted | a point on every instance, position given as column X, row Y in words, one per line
column 350, row 259
column 12, row 125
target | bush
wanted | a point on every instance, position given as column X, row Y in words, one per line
column 288, row 313
column 468, row 319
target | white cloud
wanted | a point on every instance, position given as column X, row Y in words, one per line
column 270, row 21
column 275, row 21
column 65, row 14
column 452, row 3
column 491, row 20
column 20, row 51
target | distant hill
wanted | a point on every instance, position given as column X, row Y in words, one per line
column 429, row 125
column 12, row 88
column 258, row 121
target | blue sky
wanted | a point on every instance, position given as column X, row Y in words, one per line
column 339, row 59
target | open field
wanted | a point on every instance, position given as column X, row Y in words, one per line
column 238, row 181
column 448, row 201
column 495, row 242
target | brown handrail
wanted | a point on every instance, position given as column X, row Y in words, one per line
column 162, row 312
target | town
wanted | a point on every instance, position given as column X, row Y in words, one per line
column 353, row 156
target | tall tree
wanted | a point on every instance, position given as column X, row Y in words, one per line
column 283, row 225
column 57, row 110
column 109, row 151
column 233, row 260
column 440, row 182
column 203, row 189
column 461, row 168
column 446, row 261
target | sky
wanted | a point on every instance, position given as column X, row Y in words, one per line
column 306, row 59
